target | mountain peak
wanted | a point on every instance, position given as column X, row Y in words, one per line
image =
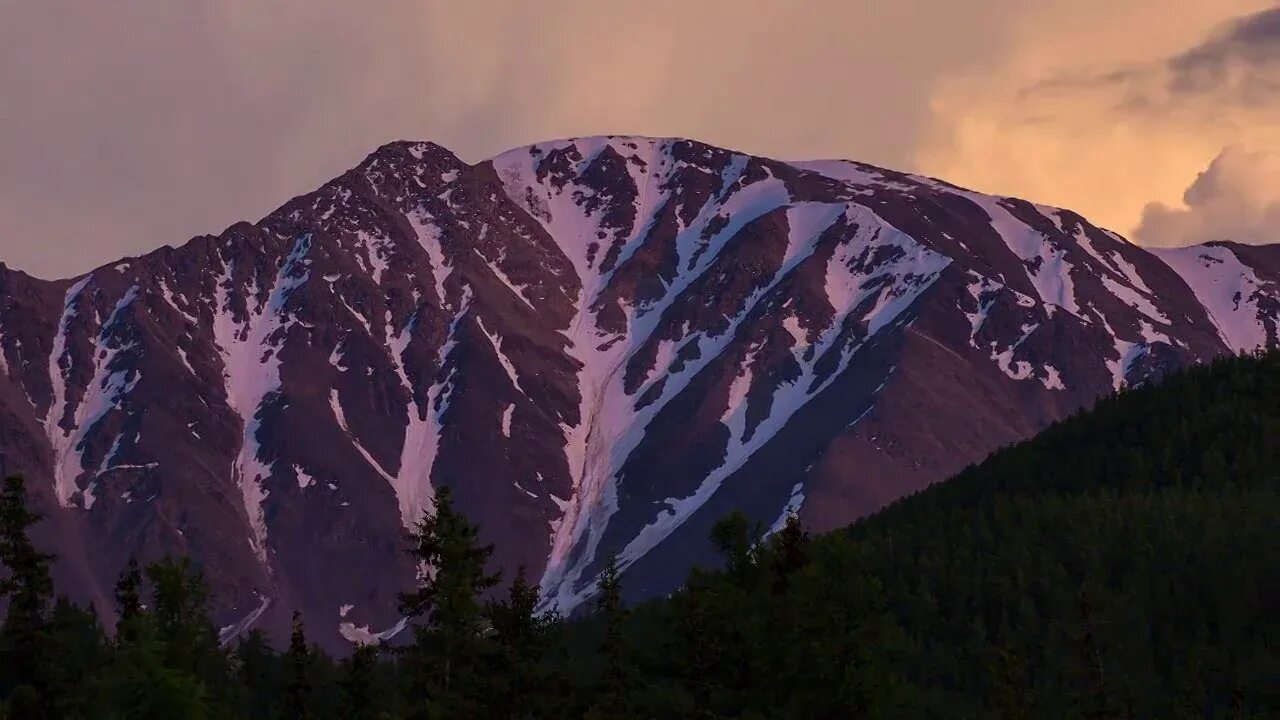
column 417, row 149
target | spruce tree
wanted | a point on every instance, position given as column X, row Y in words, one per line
column 360, row 700
column 789, row 552
column 735, row 538
column 128, row 598
column 129, row 592
column 615, row 692
column 445, row 659
column 28, row 588
column 259, row 675
column 521, row 675
column 180, row 608
column 180, row 614
column 78, row 645
column 139, row 683
column 696, row 648
column 297, row 698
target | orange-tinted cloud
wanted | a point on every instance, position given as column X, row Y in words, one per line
column 1123, row 122
column 1236, row 198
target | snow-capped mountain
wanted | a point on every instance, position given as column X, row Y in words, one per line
column 601, row 344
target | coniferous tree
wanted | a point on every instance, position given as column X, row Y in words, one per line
column 139, row 683
column 789, row 551
column 129, row 594
column 180, row 613
column 735, row 538
column 78, row 645
column 28, row 588
column 446, row 657
column 297, row 697
column 258, row 675
column 180, row 598
column 523, row 678
column 165, row 661
column 360, row 700
column 697, row 647
column 713, row 653
column 615, row 691
column 833, row 642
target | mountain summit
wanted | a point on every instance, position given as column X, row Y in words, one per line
column 601, row 345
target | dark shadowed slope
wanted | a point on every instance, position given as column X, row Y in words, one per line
column 1120, row 564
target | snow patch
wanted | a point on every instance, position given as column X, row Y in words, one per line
column 1052, row 379
column 1044, row 260
column 735, row 413
column 304, row 479
column 495, row 341
column 507, row 413
column 1229, row 289
column 362, row 635
column 250, row 349
column 429, row 237
column 794, row 503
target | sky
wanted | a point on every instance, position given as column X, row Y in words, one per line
column 132, row 124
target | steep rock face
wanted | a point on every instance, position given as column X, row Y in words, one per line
column 601, row 345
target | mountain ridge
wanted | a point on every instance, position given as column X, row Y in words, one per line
column 600, row 343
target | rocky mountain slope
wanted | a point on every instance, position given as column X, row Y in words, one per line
column 601, row 344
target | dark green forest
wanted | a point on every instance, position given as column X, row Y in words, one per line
column 1122, row 564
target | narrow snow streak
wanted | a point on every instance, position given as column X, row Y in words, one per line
column 794, row 503
column 507, row 413
column 108, row 384
column 250, row 349
column 425, row 418
column 335, row 404
column 234, row 630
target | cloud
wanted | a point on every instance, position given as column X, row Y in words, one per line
column 1240, row 63
column 1236, row 198
column 129, row 124
column 1110, row 121
column 136, row 123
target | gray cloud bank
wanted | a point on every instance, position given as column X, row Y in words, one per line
column 1234, row 75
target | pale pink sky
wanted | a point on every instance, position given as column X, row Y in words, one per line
column 127, row 125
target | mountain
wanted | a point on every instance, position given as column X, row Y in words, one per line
column 602, row 345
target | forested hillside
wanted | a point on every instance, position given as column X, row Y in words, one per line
column 1121, row 564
